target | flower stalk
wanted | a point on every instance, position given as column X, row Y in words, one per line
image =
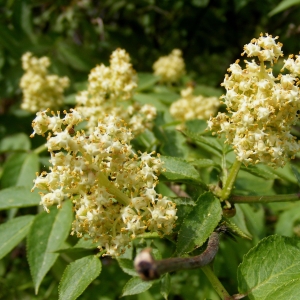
column 228, row 186
column 148, row 268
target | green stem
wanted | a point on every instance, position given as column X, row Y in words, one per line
column 227, row 188
column 40, row 149
column 215, row 282
column 120, row 197
column 264, row 199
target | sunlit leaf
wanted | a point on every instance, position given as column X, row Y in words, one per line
column 271, row 270
column 77, row 277
column 47, row 234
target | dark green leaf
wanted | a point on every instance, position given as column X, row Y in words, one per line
column 12, row 233
column 77, row 277
column 199, row 224
column 18, row 197
column 71, row 55
column 47, row 234
column 136, row 286
column 177, row 169
column 271, row 270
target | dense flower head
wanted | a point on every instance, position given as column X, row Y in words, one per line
column 108, row 87
column 40, row 89
column 191, row 107
column 111, row 186
column 262, row 108
column 170, row 68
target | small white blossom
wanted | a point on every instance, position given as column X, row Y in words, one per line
column 112, row 187
column 261, row 108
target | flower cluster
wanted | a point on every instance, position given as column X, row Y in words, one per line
column 191, row 107
column 262, row 107
column 170, row 68
column 107, row 88
column 40, row 90
column 111, row 186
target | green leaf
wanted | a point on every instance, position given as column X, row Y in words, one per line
column 12, row 233
column 18, row 197
column 234, row 229
column 286, row 222
column 199, row 224
column 146, row 81
column 150, row 99
column 136, row 285
column 297, row 174
column 260, row 171
column 196, row 126
column 177, row 169
column 127, row 266
column 20, row 170
column 18, row 141
column 283, row 5
column 72, row 56
column 203, row 163
column 77, row 277
column 28, row 170
column 271, row 270
column 165, row 286
column 210, row 144
column 255, row 220
column 47, row 234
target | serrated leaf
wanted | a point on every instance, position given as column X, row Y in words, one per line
column 127, row 266
column 203, row 163
column 13, row 232
column 47, row 234
column 199, row 223
column 18, row 196
column 271, row 270
column 165, row 286
column 136, row 285
column 177, row 169
column 77, row 277
column 18, row 141
column 20, row 170
column 234, row 229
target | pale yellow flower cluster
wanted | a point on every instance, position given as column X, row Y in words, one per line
column 111, row 186
column 262, row 108
column 107, row 87
column 40, row 90
column 191, row 107
column 170, row 68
